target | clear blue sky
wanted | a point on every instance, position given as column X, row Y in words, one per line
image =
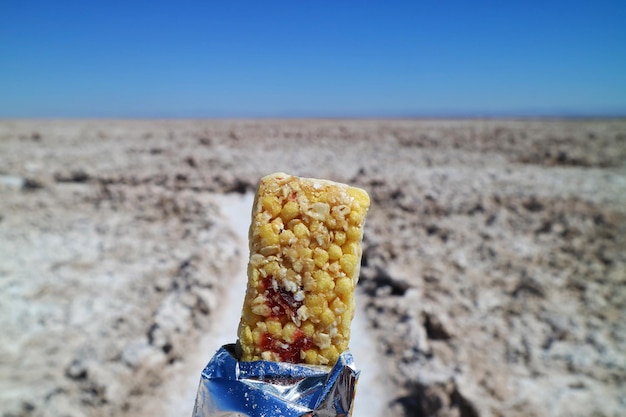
column 311, row 58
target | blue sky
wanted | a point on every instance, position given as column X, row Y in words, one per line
column 129, row 59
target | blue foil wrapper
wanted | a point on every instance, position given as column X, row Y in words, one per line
column 230, row 388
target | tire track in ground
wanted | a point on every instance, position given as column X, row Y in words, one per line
column 181, row 391
column 370, row 399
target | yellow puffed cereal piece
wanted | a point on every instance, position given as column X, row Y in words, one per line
column 334, row 252
column 325, row 282
column 344, row 288
column 289, row 210
column 330, row 353
column 349, row 263
column 300, row 230
column 308, row 329
column 305, row 254
column 274, row 328
column 267, row 235
column 320, row 257
column 311, row 357
column 271, row 204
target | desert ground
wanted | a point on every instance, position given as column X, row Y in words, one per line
column 493, row 279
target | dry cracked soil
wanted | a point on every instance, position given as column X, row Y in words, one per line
column 493, row 280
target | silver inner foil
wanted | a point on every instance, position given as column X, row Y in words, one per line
column 230, row 388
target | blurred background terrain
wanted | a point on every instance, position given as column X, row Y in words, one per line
column 494, row 267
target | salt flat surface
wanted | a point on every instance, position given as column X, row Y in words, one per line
column 493, row 275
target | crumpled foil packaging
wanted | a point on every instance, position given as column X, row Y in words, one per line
column 230, row 388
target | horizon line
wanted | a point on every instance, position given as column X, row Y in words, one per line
column 434, row 116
